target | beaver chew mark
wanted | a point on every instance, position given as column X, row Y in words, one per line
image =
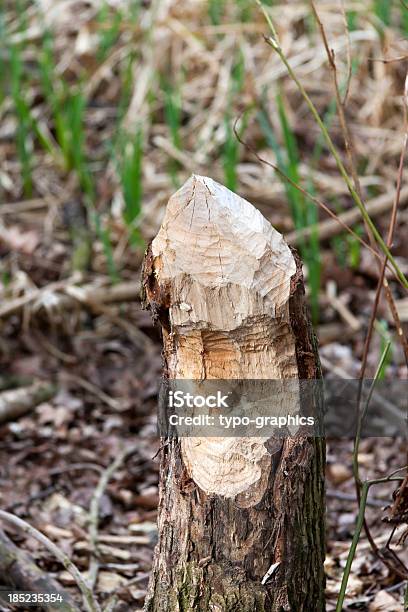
column 226, row 273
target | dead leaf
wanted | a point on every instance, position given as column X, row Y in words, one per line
column 384, row 602
column 149, row 498
column 339, row 473
column 137, row 594
column 109, row 582
column 17, row 240
column 66, row 579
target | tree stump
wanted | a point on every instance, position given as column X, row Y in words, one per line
column 241, row 521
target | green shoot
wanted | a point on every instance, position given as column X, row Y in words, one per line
column 382, row 9
column 296, row 199
column 74, row 116
column 230, row 156
column 22, row 110
column 130, row 173
column 404, row 18
column 172, row 115
column 216, row 11
column 244, row 10
column 385, row 341
column 104, row 236
column 304, row 213
column 56, row 98
column 230, row 152
column 134, row 10
column 109, row 23
column 352, row 20
column 354, row 248
column 3, row 64
column 127, row 78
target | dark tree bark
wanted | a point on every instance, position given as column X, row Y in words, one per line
column 229, row 295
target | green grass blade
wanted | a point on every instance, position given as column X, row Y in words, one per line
column 130, row 172
column 23, row 116
column 382, row 9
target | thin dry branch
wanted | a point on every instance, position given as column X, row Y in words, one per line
column 67, row 294
column 94, row 510
column 273, row 41
column 351, row 156
column 331, row 227
column 382, row 282
column 337, row 218
column 13, row 306
column 349, row 59
column 347, row 136
column 350, row 152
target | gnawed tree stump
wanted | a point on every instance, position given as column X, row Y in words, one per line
column 229, row 295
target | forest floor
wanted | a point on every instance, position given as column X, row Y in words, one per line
column 105, row 112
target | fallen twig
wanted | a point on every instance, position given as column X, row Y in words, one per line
column 94, row 510
column 67, row 294
column 110, row 606
column 18, row 570
column 99, row 308
column 94, row 390
column 350, row 497
column 17, row 402
column 13, row 306
column 90, row 603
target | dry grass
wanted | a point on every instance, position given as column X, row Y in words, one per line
column 152, row 90
column 197, row 58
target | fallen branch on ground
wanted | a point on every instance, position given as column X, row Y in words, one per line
column 67, row 294
column 90, row 603
column 18, row 570
column 17, row 402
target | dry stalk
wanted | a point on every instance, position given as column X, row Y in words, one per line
column 308, row 195
column 331, row 227
column 94, row 510
column 349, row 59
column 382, row 283
column 359, row 525
column 350, row 152
column 274, row 43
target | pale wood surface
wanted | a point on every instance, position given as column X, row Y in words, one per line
column 228, row 272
